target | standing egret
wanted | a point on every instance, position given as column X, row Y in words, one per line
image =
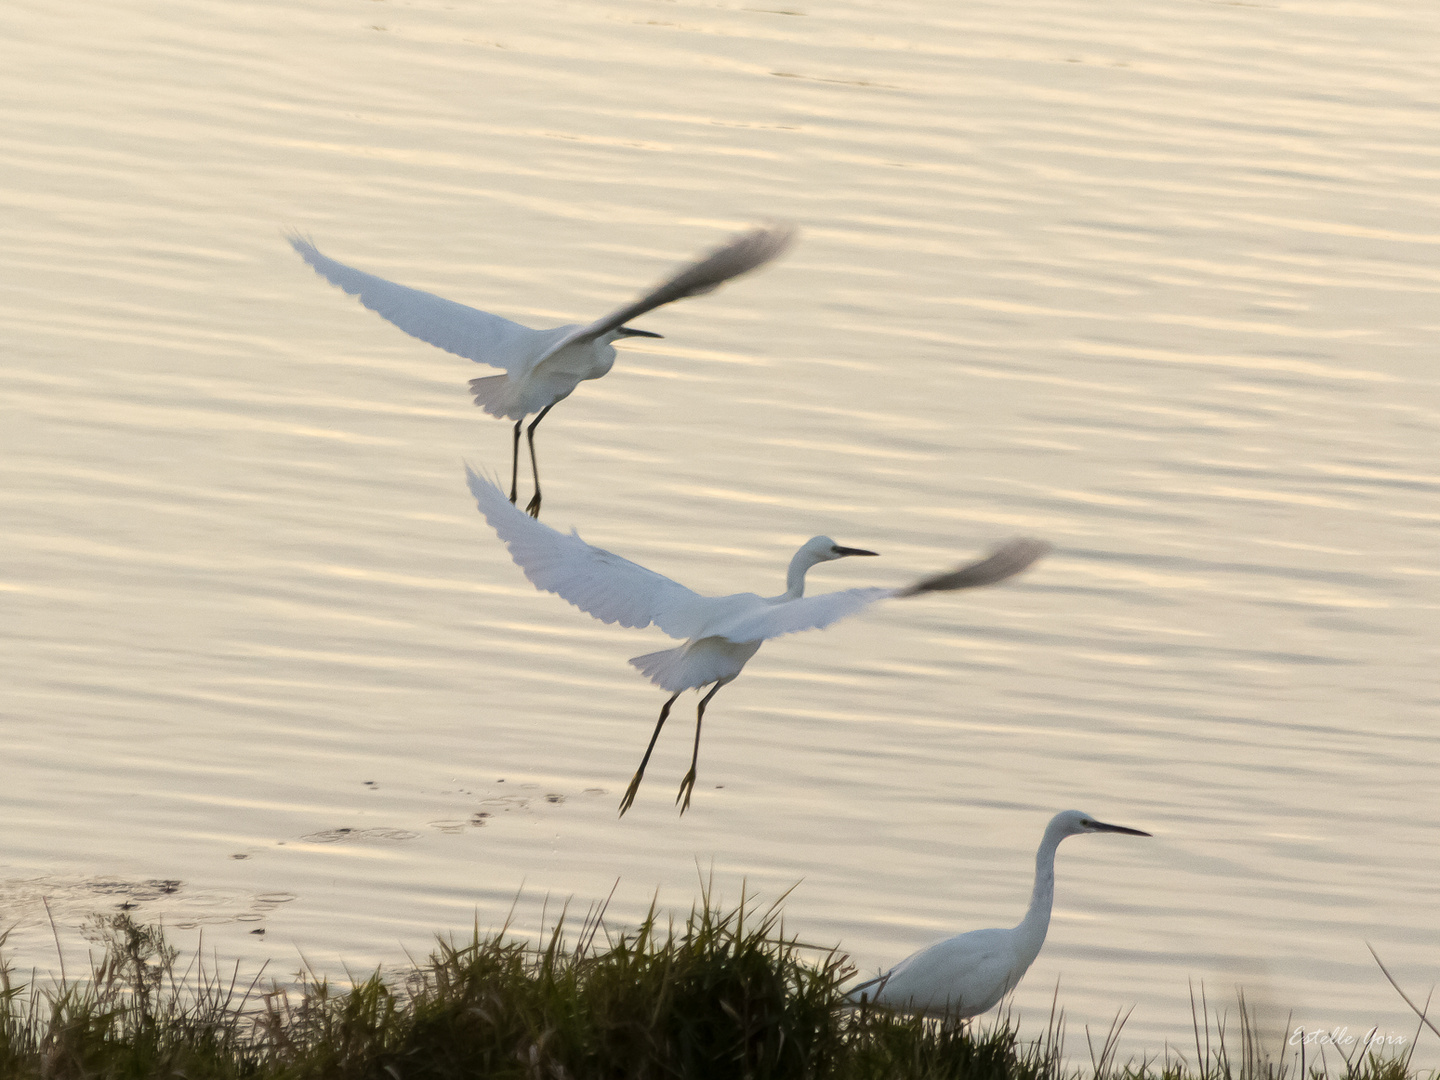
column 721, row 632
column 968, row 974
column 542, row 367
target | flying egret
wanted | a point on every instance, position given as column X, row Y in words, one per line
column 968, row 974
column 542, row 367
column 720, row 632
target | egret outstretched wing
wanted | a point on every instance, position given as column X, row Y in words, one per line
column 456, row 328
column 817, row 612
column 612, row 589
column 807, row 613
column 741, row 255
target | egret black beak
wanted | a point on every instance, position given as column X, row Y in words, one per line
column 852, row 551
column 1102, row 827
column 630, row 331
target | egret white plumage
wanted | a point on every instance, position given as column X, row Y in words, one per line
column 721, row 633
column 542, row 367
column 968, row 974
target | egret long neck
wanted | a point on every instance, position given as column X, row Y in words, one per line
column 1030, row 934
column 795, row 577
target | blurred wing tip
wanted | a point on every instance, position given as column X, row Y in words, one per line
column 1013, row 556
column 781, row 234
column 301, row 242
column 770, row 240
column 1004, row 562
column 305, row 247
column 739, row 255
column 781, row 230
column 479, row 483
column 1030, row 548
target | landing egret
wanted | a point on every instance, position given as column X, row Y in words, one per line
column 542, row 367
column 968, row 974
column 721, row 632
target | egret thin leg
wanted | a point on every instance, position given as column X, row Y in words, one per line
column 515, row 463
column 533, row 509
column 688, row 784
column 640, row 772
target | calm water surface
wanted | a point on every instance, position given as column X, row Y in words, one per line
column 1158, row 282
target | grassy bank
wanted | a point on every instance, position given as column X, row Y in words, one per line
column 727, row 994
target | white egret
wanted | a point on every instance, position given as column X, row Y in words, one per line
column 542, row 367
column 968, row 974
column 721, row 633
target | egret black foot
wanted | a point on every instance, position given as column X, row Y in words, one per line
column 533, row 506
column 686, row 787
column 630, row 793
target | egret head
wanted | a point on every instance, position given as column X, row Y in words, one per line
column 817, row 549
column 1072, row 822
column 822, row 549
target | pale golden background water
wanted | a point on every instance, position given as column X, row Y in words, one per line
column 1156, row 281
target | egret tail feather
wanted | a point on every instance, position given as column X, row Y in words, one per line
column 666, row 669
column 496, row 395
column 696, row 663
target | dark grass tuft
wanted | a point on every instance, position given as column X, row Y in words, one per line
column 725, row 994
